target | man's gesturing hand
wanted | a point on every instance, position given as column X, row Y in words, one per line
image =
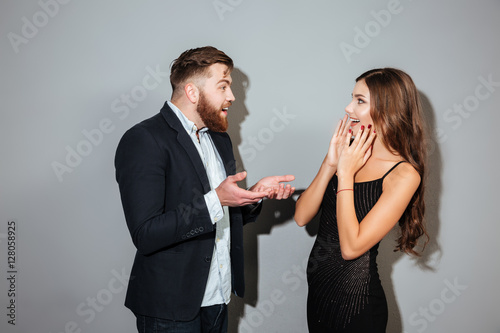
column 274, row 183
column 230, row 194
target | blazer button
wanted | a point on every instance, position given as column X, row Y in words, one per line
column 208, row 259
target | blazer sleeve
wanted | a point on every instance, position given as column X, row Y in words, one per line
column 251, row 212
column 141, row 173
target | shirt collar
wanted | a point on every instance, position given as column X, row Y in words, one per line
column 188, row 125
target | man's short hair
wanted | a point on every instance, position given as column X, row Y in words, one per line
column 195, row 63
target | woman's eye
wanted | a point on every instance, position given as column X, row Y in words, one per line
column 360, row 101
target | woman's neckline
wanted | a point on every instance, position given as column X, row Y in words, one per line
column 380, row 178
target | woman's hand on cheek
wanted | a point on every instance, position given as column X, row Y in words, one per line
column 338, row 141
column 355, row 155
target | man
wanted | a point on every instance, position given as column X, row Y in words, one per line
column 184, row 210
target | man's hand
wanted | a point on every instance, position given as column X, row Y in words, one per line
column 230, row 194
column 278, row 190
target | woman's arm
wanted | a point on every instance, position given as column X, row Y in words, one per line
column 310, row 200
column 357, row 237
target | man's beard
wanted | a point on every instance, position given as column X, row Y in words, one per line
column 210, row 115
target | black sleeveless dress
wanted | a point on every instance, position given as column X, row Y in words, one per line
column 345, row 295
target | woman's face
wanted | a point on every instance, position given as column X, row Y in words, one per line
column 359, row 108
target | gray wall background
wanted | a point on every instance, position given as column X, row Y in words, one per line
column 76, row 74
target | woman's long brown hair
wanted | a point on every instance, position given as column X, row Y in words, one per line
column 396, row 111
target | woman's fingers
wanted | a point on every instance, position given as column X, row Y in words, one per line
column 342, row 127
column 355, row 143
column 362, row 141
column 346, row 124
column 347, row 139
column 368, row 145
column 367, row 139
column 371, row 137
column 362, row 138
column 338, row 129
column 367, row 155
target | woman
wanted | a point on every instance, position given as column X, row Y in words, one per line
column 364, row 188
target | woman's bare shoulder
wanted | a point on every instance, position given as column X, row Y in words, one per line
column 404, row 174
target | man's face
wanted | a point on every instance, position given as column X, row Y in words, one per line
column 215, row 98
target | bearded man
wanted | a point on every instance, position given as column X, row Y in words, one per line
column 183, row 207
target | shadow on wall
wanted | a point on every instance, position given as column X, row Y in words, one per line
column 237, row 115
column 387, row 257
column 274, row 212
column 433, row 253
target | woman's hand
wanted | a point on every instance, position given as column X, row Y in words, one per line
column 338, row 142
column 309, row 202
column 354, row 156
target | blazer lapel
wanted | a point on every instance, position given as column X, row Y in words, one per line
column 187, row 144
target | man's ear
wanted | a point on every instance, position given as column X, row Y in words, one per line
column 192, row 92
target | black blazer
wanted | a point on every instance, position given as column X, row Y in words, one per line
column 162, row 182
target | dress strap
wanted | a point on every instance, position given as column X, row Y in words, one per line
column 388, row 172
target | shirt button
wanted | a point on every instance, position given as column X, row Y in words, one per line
column 221, row 266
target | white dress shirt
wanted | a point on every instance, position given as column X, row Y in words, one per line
column 218, row 289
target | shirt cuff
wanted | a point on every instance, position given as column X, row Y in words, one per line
column 214, row 207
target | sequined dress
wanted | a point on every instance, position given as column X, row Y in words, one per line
column 345, row 295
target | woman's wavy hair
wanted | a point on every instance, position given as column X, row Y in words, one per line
column 396, row 111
